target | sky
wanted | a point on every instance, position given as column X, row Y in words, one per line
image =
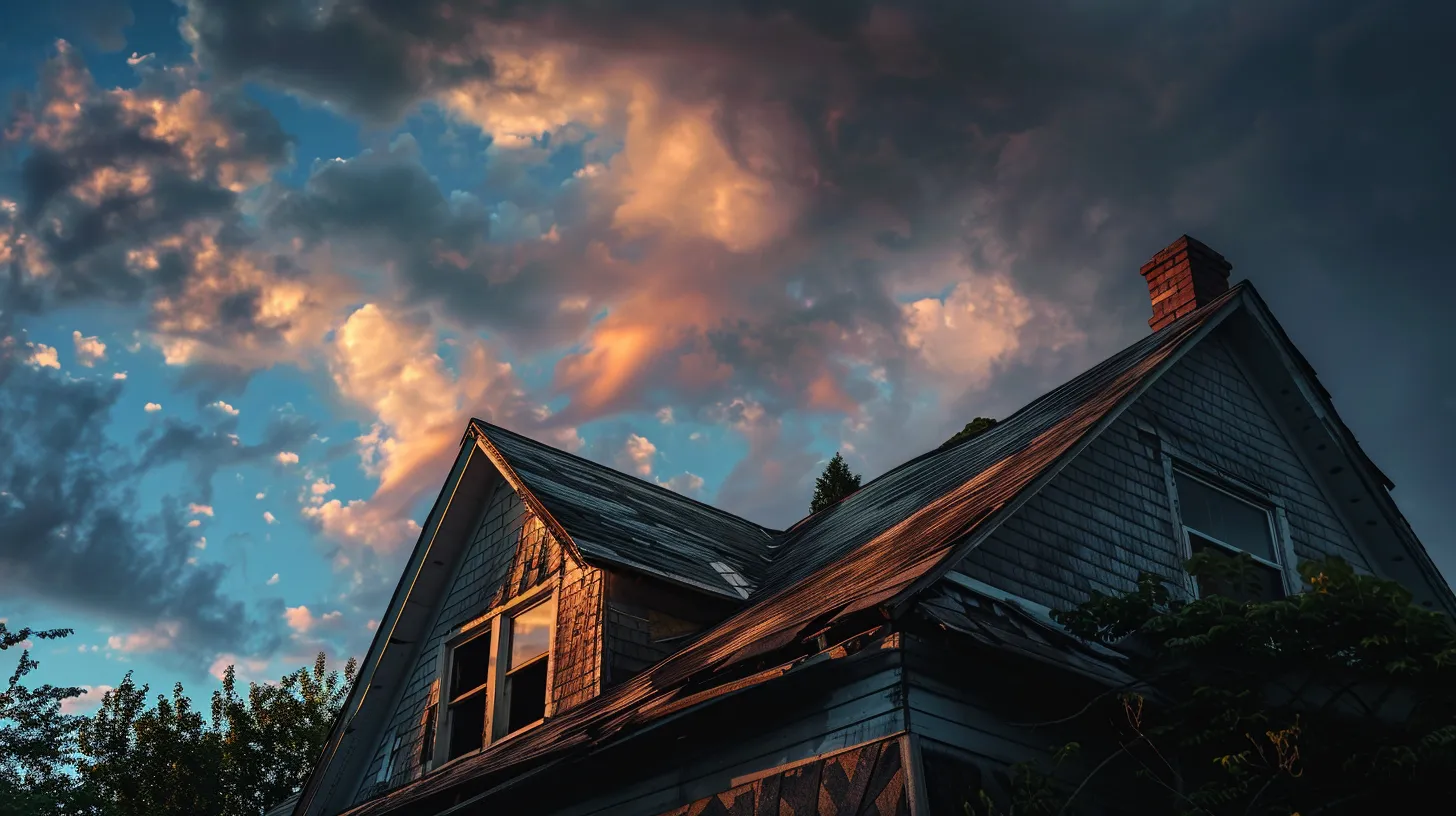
column 260, row 260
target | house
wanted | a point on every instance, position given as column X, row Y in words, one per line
column 567, row 639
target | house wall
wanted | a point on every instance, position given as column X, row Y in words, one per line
column 510, row 553
column 647, row 620
column 1106, row 517
column 825, row 710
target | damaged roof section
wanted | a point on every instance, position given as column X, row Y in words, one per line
column 887, row 500
column 1004, row 624
column 873, row 551
column 619, row 519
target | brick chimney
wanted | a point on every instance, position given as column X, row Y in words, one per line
column 1183, row 277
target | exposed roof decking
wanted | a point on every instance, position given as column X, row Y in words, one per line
column 620, row 519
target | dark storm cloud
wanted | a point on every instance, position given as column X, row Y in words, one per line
column 70, row 531
column 387, row 209
column 205, row 451
column 109, row 174
column 1062, row 144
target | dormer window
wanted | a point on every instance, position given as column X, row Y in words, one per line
column 1219, row 521
column 498, row 672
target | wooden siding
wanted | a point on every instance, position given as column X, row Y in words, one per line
column 1105, row 518
column 847, row 703
column 510, row 553
column 646, row 620
column 864, row 781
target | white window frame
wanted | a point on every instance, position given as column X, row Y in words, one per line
column 497, row 623
column 1271, row 506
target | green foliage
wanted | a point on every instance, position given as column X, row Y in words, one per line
column 248, row 753
column 1335, row 700
column 973, row 429
column 836, row 483
column 36, row 739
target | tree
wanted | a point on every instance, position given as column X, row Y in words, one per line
column 37, row 741
column 1337, row 700
column 250, row 754
column 836, row 482
column 973, row 429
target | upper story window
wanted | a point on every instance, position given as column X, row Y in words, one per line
column 498, row 678
column 1218, row 521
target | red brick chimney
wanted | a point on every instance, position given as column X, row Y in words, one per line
column 1183, row 277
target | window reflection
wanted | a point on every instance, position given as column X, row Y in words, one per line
column 531, row 633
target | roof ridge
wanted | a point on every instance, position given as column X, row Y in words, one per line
column 768, row 531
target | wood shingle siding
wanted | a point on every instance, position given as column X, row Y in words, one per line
column 1105, row 518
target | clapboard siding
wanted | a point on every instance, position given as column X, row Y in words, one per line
column 1105, row 518
column 855, row 701
column 510, row 553
column 975, row 701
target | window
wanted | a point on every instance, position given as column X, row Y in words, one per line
column 469, row 694
column 498, row 679
column 525, row 685
column 1216, row 521
column 382, row 778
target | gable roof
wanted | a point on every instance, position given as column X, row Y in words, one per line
column 878, row 548
column 618, row 519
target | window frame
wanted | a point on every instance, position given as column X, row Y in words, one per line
column 1178, row 464
column 495, row 624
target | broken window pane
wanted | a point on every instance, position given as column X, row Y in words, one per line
column 527, row 695
column 467, row 725
column 470, row 667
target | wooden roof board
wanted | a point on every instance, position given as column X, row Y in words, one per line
column 620, row 519
column 884, row 541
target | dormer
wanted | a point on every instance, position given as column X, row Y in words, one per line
column 540, row 580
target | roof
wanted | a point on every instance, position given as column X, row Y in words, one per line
column 875, row 549
column 884, row 501
column 619, row 519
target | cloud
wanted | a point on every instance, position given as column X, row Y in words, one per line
column 120, row 375
column 200, row 509
column 321, row 487
column 152, row 407
column 135, row 196
column 638, row 455
column 90, row 699
column 155, row 638
column 688, row 484
column 43, row 356
column 387, row 364
column 664, row 415
column 223, row 407
column 287, row 458
column 89, row 350
column 207, row 450
column 244, row 668
column 269, row 517
column 273, row 580
column 302, row 621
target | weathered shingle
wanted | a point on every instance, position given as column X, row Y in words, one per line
column 869, row 550
column 618, row 519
